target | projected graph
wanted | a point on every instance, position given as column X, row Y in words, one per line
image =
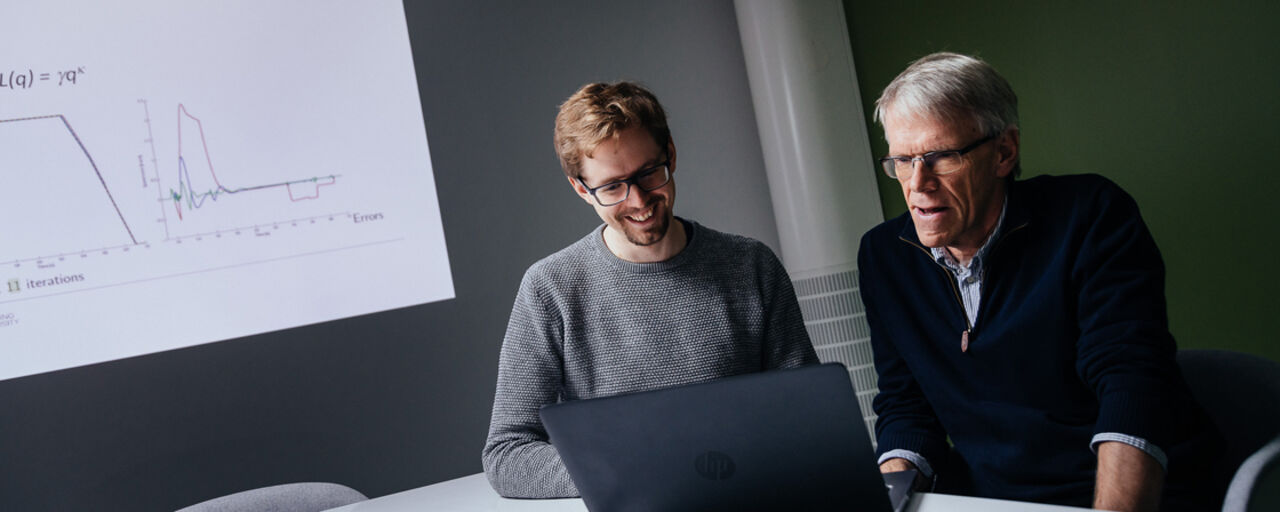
column 134, row 170
column 192, row 196
column 55, row 197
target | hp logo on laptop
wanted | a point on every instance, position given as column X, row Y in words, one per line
column 714, row 466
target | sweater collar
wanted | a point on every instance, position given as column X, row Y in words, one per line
column 691, row 249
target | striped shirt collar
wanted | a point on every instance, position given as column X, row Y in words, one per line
column 945, row 259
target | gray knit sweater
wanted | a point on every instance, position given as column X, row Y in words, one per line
column 586, row 324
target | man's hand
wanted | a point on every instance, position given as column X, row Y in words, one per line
column 1129, row 480
column 895, row 464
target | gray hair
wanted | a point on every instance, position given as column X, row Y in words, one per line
column 953, row 88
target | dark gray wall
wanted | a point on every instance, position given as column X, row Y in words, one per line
column 401, row 399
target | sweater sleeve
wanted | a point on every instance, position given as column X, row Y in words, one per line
column 1125, row 352
column 518, row 459
column 904, row 418
column 787, row 343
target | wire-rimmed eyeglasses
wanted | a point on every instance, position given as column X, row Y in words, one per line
column 942, row 163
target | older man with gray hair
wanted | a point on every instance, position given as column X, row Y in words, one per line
column 1023, row 321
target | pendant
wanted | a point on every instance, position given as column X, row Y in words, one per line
column 964, row 341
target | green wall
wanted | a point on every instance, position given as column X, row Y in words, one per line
column 1179, row 104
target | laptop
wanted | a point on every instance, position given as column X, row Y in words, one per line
column 780, row 440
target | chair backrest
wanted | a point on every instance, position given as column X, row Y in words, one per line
column 1256, row 486
column 1241, row 394
column 295, row 497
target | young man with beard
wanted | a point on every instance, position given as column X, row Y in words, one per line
column 647, row 300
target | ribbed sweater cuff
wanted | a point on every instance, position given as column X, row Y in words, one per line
column 926, row 447
column 1134, row 414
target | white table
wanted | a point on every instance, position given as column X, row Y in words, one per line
column 473, row 494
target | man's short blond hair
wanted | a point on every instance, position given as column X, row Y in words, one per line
column 600, row 111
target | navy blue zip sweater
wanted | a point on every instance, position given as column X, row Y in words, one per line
column 1071, row 340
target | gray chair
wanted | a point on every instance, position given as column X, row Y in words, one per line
column 296, row 497
column 1256, row 486
column 1241, row 394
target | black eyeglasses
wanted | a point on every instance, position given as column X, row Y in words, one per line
column 648, row 179
column 942, row 163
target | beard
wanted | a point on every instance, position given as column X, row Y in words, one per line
column 647, row 235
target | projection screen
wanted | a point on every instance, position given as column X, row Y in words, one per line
column 175, row 173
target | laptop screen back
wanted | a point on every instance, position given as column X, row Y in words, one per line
column 780, row 440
